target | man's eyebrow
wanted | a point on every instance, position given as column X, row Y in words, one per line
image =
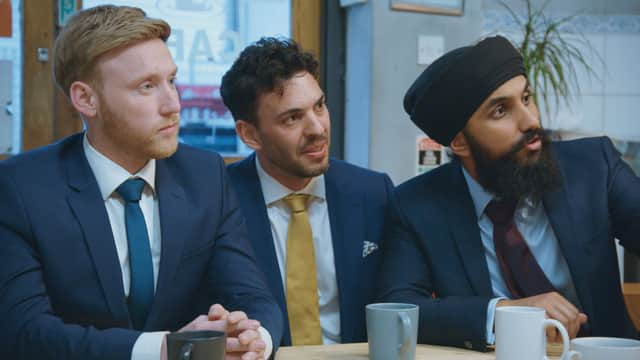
column 492, row 102
column 295, row 110
column 288, row 112
column 148, row 75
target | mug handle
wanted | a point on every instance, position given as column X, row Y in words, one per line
column 567, row 354
column 185, row 351
column 406, row 331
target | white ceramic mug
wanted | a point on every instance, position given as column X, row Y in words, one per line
column 596, row 348
column 520, row 334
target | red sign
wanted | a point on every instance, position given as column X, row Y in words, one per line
column 5, row 18
column 202, row 97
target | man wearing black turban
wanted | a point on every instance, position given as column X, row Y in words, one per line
column 515, row 219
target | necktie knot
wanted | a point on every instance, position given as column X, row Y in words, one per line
column 131, row 190
column 296, row 202
column 501, row 211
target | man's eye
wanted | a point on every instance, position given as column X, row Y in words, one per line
column 499, row 111
column 291, row 119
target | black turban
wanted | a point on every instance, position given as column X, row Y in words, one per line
column 450, row 90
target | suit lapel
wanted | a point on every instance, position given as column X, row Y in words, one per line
column 463, row 223
column 247, row 182
column 258, row 219
column 173, row 216
column 88, row 207
column 346, row 216
column 571, row 240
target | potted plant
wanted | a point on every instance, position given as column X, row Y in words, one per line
column 550, row 57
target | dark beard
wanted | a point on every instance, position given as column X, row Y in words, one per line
column 506, row 178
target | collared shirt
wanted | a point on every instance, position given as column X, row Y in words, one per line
column 109, row 176
column 532, row 222
column 279, row 215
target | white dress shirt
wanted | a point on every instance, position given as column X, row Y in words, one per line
column 279, row 215
column 532, row 222
column 109, row 176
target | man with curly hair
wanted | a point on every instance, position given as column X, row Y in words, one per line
column 324, row 275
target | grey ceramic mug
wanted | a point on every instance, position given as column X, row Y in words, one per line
column 392, row 330
column 196, row 345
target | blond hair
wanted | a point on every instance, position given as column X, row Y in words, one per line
column 93, row 32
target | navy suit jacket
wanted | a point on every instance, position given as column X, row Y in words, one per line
column 61, row 291
column 435, row 257
column 357, row 199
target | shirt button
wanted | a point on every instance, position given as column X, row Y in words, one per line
column 468, row 344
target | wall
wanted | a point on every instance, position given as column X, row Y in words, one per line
column 378, row 133
column 607, row 103
column 382, row 64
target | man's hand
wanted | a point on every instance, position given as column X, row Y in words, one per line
column 557, row 307
column 203, row 322
column 243, row 338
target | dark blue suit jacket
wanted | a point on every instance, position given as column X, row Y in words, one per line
column 357, row 199
column 435, row 256
column 61, row 291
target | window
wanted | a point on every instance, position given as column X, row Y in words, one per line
column 11, row 75
column 206, row 37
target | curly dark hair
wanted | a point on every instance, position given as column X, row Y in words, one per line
column 262, row 68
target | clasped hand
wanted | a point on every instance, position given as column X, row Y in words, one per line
column 243, row 337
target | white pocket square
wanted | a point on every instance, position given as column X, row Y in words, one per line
column 368, row 247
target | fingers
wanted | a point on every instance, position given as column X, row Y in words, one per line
column 236, row 350
column 552, row 334
column 251, row 337
column 559, row 308
column 583, row 318
column 243, row 339
column 235, row 345
column 237, row 316
column 563, row 311
column 234, row 330
column 217, row 312
column 202, row 322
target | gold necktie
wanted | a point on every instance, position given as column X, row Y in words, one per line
column 302, row 283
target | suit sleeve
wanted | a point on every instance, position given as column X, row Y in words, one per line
column 624, row 198
column 30, row 329
column 458, row 321
column 233, row 271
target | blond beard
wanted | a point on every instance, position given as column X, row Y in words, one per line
column 126, row 138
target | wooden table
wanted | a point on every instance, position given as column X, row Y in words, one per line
column 631, row 293
column 360, row 352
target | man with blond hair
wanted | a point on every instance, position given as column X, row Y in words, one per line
column 113, row 237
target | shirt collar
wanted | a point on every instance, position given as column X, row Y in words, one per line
column 273, row 191
column 479, row 195
column 482, row 197
column 110, row 175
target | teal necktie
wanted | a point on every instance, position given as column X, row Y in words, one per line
column 141, row 289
